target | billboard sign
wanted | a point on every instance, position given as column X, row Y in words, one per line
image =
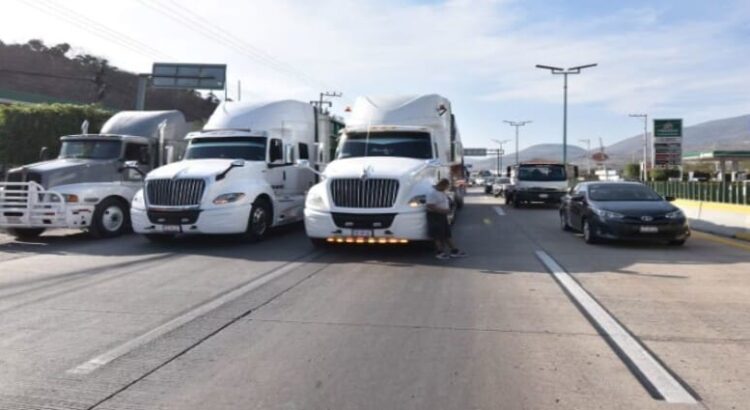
column 191, row 76
column 667, row 143
column 475, row 152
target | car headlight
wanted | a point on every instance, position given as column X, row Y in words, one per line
column 607, row 214
column 224, row 199
column 70, row 198
column 314, row 201
column 678, row 214
column 418, row 201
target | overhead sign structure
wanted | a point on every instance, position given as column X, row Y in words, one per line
column 192, row 76
column 667, row 143
column 475, row 152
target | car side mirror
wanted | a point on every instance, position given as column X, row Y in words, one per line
column 578, row 198
column 670, row 198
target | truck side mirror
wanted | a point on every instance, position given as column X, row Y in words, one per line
column 237, row 163
column 44, row 154
column 507, row 171
column 133, row 165
column 303, row 163
column 288, row 153
column 575, row 171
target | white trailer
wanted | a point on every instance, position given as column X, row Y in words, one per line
column 87, row 186
column 238, row 175
column 392, row 151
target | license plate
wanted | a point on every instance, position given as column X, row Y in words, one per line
column 543, row 195
column 171, row 228
column 649, row 229
column 361, row 233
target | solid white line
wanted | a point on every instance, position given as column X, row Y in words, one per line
column 175, row 323
column 650, row 368
column 499, row 210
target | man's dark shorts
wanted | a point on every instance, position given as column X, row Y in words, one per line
column 438, row 227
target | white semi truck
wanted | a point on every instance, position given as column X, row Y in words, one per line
column 238, row 175
column 87, row 186
column 392, row 151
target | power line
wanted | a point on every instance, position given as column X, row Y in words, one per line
column 61, row 12
column 200, row 25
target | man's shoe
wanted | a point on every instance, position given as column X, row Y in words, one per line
column 442, row 255
column 455, row 253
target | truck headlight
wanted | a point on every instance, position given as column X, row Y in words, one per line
column 224, row 199
column 314, row 201
column 607, row 214
column 70, row 198
column 678, row 214
column 418, row 201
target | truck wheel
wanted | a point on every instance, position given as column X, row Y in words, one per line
column 259, row 221
column 25, row 234
column 159, row 238
column 111, row 218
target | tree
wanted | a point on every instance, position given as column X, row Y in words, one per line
column 632, row 171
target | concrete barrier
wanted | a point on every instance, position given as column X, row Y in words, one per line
column 722, row 219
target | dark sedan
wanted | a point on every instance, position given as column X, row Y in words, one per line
column 622, row 210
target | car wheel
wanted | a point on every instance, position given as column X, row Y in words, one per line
column 25, row 234
column 111, row 218
column 159, row 238
column 564, row 222
column 589, row 236
column 677, row 242
column 259, row 221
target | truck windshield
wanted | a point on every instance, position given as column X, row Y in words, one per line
column 247, row 148
column 541, row 173
column 91, row 149
column 386, row 144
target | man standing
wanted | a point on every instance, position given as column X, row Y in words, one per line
column 438, row 208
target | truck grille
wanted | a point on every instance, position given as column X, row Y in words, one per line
column 368, row 193
column 177, row 192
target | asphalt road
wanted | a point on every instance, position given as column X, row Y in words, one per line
column 218, row 324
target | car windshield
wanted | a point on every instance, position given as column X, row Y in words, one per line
column 622, row 192
column 386, row 144
column 247, row 148
column 541, row 173
column 90, row 149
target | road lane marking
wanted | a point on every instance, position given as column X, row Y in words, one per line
column 189, row 316
column 499, row 210
column 652, row 373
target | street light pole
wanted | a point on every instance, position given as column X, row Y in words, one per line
column 644, row 171
column 565, row 73
column 516, row 124
column 588, row 155
column 500, row 154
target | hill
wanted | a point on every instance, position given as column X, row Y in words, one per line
column 546, row 152
column 35, row 72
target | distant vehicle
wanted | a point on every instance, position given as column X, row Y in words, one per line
column 238, row 175
column 488, row 182
column 87, row 185
column 537, row 182
column 391, row 153
column 500, row 186
column 622, row 210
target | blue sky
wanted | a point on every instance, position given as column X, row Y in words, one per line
column 683, row 59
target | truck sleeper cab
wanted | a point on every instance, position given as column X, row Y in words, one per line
column 87, row 185
column 241, row 179
column 389, row 157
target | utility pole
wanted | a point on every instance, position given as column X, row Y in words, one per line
column 644, row 170
column 517, row 124
column 588, row 155
column 322, row 102
column 500, row 153
column 565, row 73
column 140, row 99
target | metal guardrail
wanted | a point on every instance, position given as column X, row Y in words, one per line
column 722, row 192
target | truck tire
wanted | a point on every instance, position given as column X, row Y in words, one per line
column 259, row 221
column 111, row 218
column 159, row 238
column 25, row 234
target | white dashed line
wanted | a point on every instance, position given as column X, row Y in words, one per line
column 499, row 210
column 667, row 386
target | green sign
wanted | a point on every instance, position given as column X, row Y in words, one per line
column 668, row 128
